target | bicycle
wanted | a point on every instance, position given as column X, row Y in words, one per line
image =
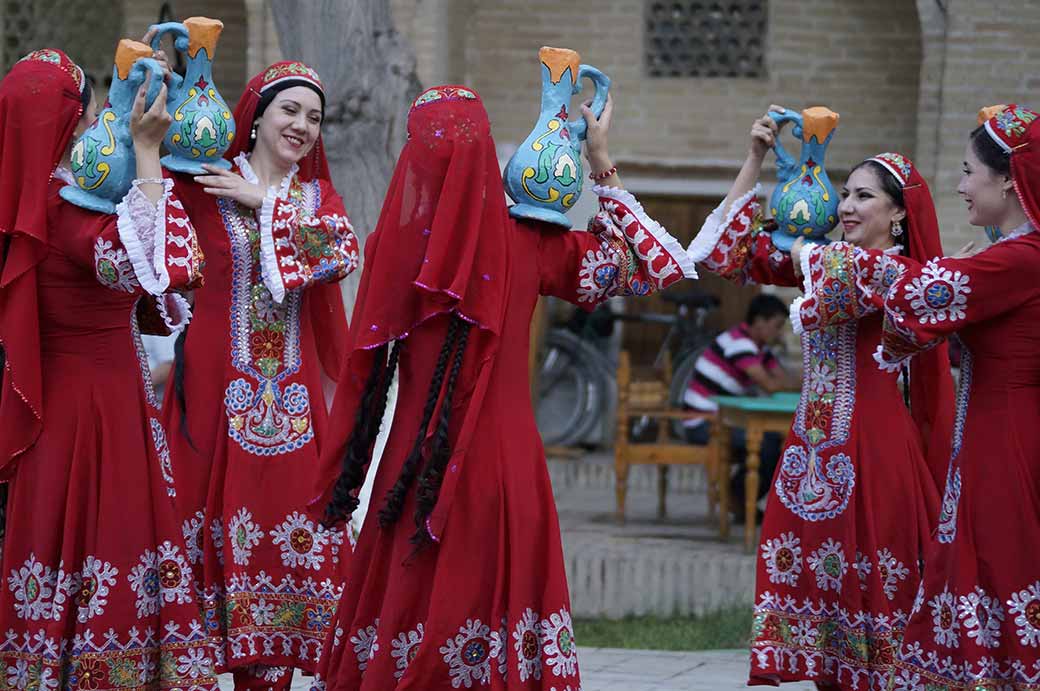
column 576, row 387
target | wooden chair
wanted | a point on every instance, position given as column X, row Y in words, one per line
column 648, row 397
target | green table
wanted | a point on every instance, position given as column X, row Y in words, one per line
column 757, row 415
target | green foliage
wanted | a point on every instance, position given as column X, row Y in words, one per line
column 725, row 629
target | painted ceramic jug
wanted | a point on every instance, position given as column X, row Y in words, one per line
column 202, row 127
column 804, row 203
column 103, row 161
column 544, row 176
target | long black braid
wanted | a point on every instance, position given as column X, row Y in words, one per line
column 178, row 384
column 393, row 504
column 433, row 474
column 367, row 421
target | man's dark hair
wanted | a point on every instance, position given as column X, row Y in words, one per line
column 765, row 307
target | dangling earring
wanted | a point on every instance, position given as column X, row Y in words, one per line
column 897, row 229
column 252, row 133
column 1003, row 193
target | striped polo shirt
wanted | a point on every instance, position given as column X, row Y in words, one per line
column 722, row 370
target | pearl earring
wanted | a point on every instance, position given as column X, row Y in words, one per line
column 252, row 133
column 897, row 229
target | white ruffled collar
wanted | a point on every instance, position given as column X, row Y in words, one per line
column 1026, row 227
column 242, row 161
column 65, row 175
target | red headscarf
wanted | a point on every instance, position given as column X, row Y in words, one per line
column 931, row 385
column 1013, row 129
column 41, row 100
column 324, row 302
column 279, row 76
column 441, row 246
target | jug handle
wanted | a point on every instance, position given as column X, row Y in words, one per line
column 785, row 163
column 180, row 39
column 599, row 99
column 142, row 67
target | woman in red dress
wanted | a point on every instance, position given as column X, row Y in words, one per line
column 247, row 412
column 854, row 499
column 459, row 580
column 976, row 624
column 97, row 591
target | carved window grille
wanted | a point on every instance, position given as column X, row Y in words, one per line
column 698, row 38
column 87, row 31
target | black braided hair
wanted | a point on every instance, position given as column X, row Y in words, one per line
column 178, row 384
column 363, row 436
column 433, row 474
column 393, row 504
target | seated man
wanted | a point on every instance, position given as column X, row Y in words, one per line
column 739, row 363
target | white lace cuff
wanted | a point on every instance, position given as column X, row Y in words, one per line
column 716, row 224
column 174, row 310
column 269, row 272
column 142, row 231
column 662, row 236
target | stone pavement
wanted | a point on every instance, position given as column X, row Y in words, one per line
column 612, row 669
column 665, row 567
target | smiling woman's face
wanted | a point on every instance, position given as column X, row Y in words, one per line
column 866, row 211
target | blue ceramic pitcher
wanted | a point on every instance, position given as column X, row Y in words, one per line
column 804, row 203
column 544, row 175
column 202, row 127
column 103, row 161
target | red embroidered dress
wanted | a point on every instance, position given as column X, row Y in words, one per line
column 97, row 591
column 851, row 506
column 255, row 411
column 976, row 624
column 487, row 604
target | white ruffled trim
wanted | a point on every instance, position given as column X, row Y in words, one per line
column 716, row 224
column 269, row 272
column 883, row 364
column 805, row 267
column 795, row 315
column 65, row 175
column 671, row 245
column 142, row 231
column 175, row 311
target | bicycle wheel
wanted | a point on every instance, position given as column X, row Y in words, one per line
column 570, row 390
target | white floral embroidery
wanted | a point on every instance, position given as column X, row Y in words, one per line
column 18, row 675
column 804, row 634
column 944, row 619
column 527, row 642
column 245, row 535
column 113, row 268
column 823, row 377
column 938, row 294
column 561, row 652
column 829, row 564
column 39, row 591
column 404, row 648
column 981, row 616
column 365, row 644
column 783, row 559
column 468, row 655
column 863, row 568
column 1025, row 605
column 887, row 271
column 91, row 587
column 597, row 276
column 905, row 680
column 194, row 663
column 262, row 612
column 192, row 532
column 216, row 531
column 162, row 576
column 499, row 646
column 891, row 571
column 301, row 542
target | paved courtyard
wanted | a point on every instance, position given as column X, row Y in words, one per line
column 611, row 669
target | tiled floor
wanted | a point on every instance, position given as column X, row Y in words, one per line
column 610, row 669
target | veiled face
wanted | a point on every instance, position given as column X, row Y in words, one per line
column 291, row 125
